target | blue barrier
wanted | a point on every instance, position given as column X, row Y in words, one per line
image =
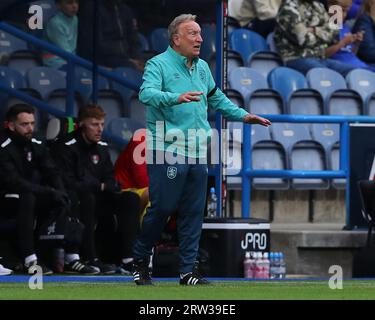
column 344, row 169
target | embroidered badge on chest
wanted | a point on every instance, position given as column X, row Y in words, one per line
column 95, row 158
column 171, row 172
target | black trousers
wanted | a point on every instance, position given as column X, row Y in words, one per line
column 28, row 211
column 114, row 215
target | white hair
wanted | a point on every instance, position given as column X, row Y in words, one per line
column 173, row 26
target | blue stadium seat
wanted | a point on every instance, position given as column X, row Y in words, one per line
column 363, row 81
column 237, row 98
column 83, row 82
column 266, row 101
column 145, row 46
column 345, row 102
column 10, row 43
column 232, row 25
column 130, row 74
column 271, row 42
column 159, row 39
column 286, row 81
column 124, row 127
column 246, row 81
column 112, row 103
column 334, row 163
column 306, row 102
column 264, row 62
column 269, row 155
column 247, row 42
column 260, row 133
column 327, row 134
column 57, row 99
column 326, row 81
column 308, row 155
column 290, row 133
column 45, row 80
column 208, row 47
column 234, row 61
column 23, row 61
column 10, row 78
column 370, row 107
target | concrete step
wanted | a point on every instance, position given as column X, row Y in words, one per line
column 310, row 249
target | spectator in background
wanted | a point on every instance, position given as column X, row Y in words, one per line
column 117, row 39
column 345, row 50
column 366, row 24
column 257, row 15
column 302, row 36
column 62, row 31
column 96, row 196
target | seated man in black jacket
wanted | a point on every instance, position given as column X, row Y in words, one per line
column 95, row 194
column 30, row 186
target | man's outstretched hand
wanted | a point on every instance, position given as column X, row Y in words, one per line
column 254, row 119
column 190, row 96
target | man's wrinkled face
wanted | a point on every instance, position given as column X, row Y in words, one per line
column 92, row 129
column 188, row 39
column 24, row 125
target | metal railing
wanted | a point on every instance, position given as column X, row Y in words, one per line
column 248, row 173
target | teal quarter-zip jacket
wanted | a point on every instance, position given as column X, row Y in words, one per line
column 173, row 125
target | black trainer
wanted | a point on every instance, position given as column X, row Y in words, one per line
column 193, row 279
column 103, row 268
column 76, row 266
column 141, row 272
column 30, row 269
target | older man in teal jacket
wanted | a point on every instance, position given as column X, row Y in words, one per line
column 177, row 89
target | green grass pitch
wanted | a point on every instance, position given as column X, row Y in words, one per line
column 219, row 290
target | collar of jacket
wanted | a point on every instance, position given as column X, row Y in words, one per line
column 178, row 57
column 18, row 139
column 78, row 135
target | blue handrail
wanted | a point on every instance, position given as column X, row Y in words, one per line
column 248, row 173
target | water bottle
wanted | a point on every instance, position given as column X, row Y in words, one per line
column 211, row 204
column 276, row 265
column 257, row 273
column 272, row 265
column 266, row 266
column 282, row 266
column 247, row 267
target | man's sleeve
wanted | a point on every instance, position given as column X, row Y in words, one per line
column 219, row 101
column 151, row 92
